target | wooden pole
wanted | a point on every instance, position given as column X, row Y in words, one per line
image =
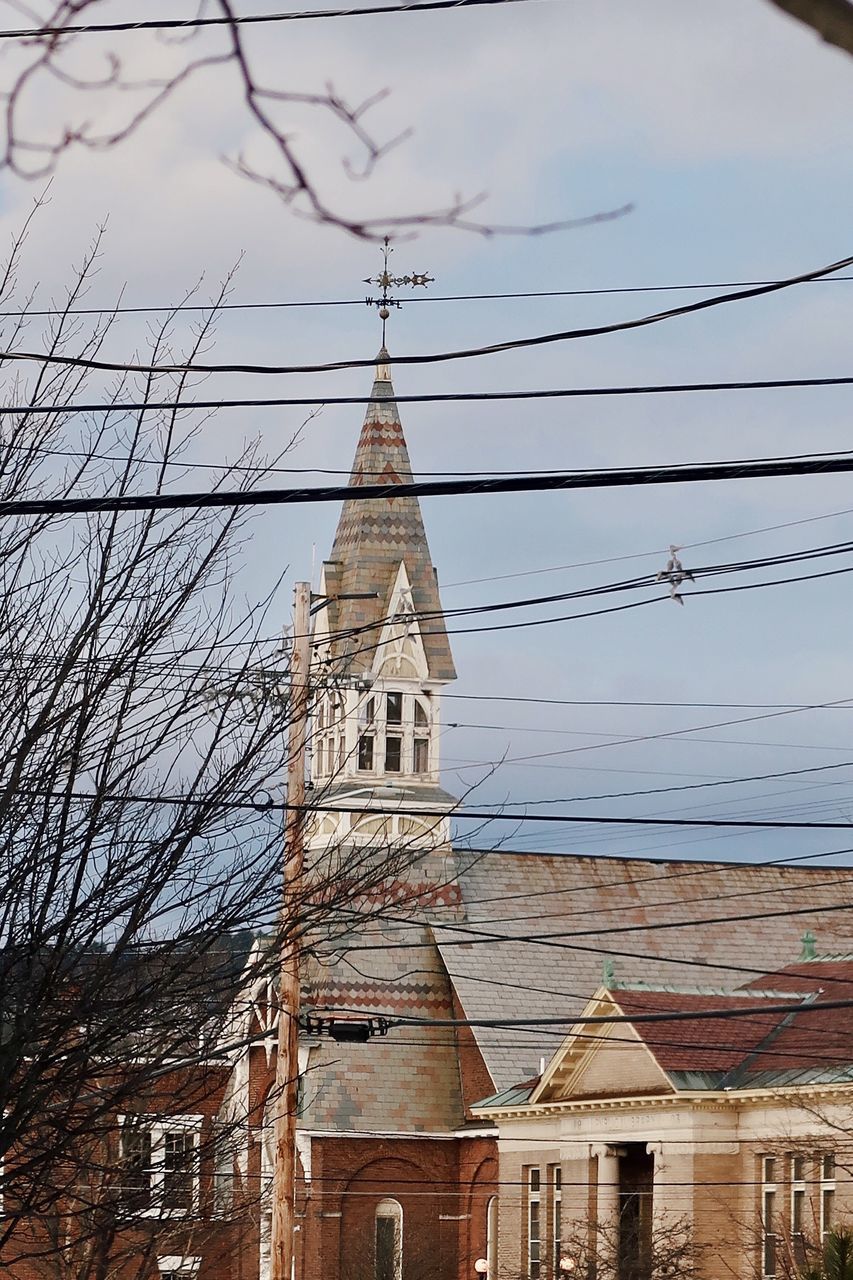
column 287, row 1060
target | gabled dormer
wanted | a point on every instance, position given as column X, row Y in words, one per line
column 381, row 651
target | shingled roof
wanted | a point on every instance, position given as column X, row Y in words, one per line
column 375, row 535
column 551, row 922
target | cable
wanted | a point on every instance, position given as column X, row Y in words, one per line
column 693, row 1015
column 183, row 24
column 516, row 344
column 476, row 937
column 175, row 308
column 647, row 555
column 449, row 397
column 683, row 474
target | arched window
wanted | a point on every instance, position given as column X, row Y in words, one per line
column 389, row 1240
column 492, row 1237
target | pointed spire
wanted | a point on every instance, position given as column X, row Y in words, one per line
column 374, row 536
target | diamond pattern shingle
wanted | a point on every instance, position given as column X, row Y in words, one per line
column 375, row 535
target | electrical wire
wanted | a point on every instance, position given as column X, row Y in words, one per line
column 687, row 473
column 516, row 344
column 240, row 20
column 449, row 397
column 176, row 308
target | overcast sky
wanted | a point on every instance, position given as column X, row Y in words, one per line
column 729, row 129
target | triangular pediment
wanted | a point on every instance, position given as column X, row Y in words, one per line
column 603, row 1060
column 400, row 652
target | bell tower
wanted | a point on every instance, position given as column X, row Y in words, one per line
column 381, row 656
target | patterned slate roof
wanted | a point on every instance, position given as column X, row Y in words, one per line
column 595, row 909
column 375, row 535
column 407, row 1082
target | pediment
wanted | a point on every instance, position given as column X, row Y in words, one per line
column 400, row 652
column 601, row 1061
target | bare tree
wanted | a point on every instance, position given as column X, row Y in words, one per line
column 144, row 718
column 69, row 82
column 831, row 19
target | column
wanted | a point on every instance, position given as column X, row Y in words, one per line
column 606, row 1224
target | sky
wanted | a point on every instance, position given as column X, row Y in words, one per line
column 728, row 129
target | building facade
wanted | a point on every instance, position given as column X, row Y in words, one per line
column 713, row 1145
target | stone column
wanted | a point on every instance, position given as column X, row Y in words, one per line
column 607, row 1207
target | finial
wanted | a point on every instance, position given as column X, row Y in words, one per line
column 608, row 973
column 385, row 281
column 809, row 951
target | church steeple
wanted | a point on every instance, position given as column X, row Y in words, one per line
column 380, row 644
column 374, row 538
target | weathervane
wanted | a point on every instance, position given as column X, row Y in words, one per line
column 385, row 281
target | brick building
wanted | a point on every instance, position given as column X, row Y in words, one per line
column 399, row 1170
column 708, row 1145
column 402, row 1175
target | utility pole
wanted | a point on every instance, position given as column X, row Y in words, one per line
column 287, row 1060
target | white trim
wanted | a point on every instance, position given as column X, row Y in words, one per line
column 158, row 1126
column 453, row 1217
column 175, row 1262
column 386, row 1134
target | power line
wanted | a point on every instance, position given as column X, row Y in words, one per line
column 679, row 1015
column 648, row 555
column 497, row 348
column 184, row 24
column 293, row 303
column 448, row 397
column 613, row 478
column 493, row 815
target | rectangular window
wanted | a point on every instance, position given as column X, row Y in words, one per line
column 827, row 1192
column 178, row 1171
column 557, row 1220
column 420, row 762
column 136, row 1168
column 223, row 1171
column 769, row 1265
column 394, row 708
column 534, row 1225
column 393, row 754
column 366, row 712
column 160, row 1173
column 798, row 1198
column 365, row 751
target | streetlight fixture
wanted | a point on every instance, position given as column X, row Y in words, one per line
column 567, row 1265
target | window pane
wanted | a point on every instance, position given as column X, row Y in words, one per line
column 558, row 1178
column 393, row 754
column 534, row 1180
column 367, row 711
column 394, row 708
column 798, row 1168
column 388, row 1240
column 136, row 1173
column 826, row 1206
column 769, row 1207
column 365, row 751
column 421, row 755
column 177, row 1170
column 421, row 720
column 769, row 1255
column 828, row 1167
column 769, row 1169
column 798, row 1201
